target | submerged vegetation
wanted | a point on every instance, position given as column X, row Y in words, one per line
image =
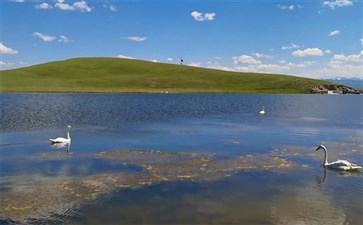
column 51, row 198
column 114, row 75
column 55, row 197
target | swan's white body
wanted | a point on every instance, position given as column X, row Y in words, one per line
column 339, row 164
column 61, row 139
column 262, row 111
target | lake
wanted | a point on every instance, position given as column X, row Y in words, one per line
column 180, row 159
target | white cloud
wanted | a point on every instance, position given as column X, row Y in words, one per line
column 154, row 60
column 286, row 7
column 328, row 51
column 195, row 64
column 308, row 52
column 6, row 50
column 169, row 59
column 63, row 6
column 109, row 6
column 136, row 38
column 333, row 33
column 262, row 68
column 341, row 58
column 260, row 55
column 300, row 65
column 198, row 16
column 218, row 67
column 50, row 38
column 124, row 57
column 113, row 8
column 291, row 46
column 44, row 37
column 361, row 41
column 63, row 39
column 6, row 64
column 80, row 6
column 245, row 59
column 337, row 3
column 340, row 65
column 43, row 5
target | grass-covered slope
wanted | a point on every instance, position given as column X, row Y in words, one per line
column 125, row 75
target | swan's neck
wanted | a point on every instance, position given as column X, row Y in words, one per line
column 68, row 136
column 325, row 157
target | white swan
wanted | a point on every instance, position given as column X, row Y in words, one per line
column 61, row 139
column 339, row 164
column 262, row 111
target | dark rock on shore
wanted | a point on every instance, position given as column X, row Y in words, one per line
column 335, row 89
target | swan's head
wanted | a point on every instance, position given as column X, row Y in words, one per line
column 69, row 126
column 320, row 147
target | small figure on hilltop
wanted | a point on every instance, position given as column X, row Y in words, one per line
column 181, row 60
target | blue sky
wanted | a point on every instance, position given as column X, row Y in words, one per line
column 318, row 39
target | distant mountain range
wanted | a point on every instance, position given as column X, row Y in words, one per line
column 354, row 82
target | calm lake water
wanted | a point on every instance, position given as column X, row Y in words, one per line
column 226, row 126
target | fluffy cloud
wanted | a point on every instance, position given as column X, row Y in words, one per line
column 136, row 38
column 333, row 33
column 299, row 65
column 80, row 6
column 63, row 39
column 259, row 55
column 169, row 59
column 340, row 65
column 337, row 3
column 245, row 59
column 262, row 68
column 339, row 59
column 291, row 46
column 198, row 16
column 109, row 6
column 124, row 57
column 361, row 41
column 195, row 64
column 308, row 52
column 50, row 38
column 6, row 50
column 44, row 37
column 113, row 8
column 43, row 5
column 289, row 7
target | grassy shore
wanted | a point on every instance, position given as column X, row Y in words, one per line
column 114, row 75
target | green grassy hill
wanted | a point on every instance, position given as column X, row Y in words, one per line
column 125, row 75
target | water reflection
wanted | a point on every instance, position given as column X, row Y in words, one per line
column 321, row 180
column 61, row 145
column 306, row 205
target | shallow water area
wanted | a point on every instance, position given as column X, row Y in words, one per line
column 180, row 158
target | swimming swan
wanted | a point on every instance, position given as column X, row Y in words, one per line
column 262, row 111
column 339, row 164
column 61, row 139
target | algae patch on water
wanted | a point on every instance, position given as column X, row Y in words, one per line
column 64, row 196
column 351, row 151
